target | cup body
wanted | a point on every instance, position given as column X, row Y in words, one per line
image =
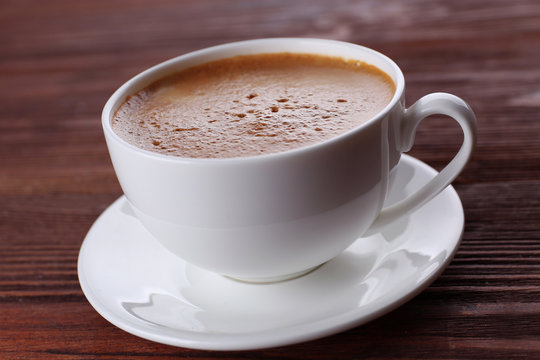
column 270, row 216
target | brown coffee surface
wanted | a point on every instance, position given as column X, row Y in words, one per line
column 252, row 105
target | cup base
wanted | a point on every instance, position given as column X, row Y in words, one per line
column 273, row 279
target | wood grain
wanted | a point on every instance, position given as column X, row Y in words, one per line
column 61, row 60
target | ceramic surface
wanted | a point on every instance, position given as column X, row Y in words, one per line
column 270, row 216
column 137, row 285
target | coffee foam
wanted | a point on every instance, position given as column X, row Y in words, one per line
column 252, row 105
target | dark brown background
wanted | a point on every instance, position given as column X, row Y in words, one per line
column 61, row 60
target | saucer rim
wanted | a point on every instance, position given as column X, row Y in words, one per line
column 288, row 335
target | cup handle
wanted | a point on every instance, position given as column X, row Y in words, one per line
column 436, row 103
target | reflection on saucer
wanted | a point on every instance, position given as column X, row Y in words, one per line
column 210, row 303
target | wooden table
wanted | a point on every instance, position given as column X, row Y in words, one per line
column 61, row 60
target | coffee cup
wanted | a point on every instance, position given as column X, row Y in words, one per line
column 277, row 216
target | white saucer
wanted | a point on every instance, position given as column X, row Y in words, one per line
column 137, row 285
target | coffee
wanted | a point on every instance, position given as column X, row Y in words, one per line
column 252, row 105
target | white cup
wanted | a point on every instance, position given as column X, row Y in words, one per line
column 277, row 216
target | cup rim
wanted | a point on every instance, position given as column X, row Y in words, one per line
column 119, row 96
